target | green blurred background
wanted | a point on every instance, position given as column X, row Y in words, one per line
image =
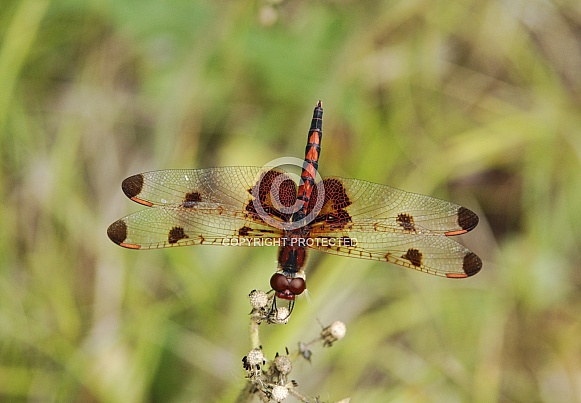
column 473, row 101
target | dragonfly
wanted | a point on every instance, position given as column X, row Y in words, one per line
column 252, row 206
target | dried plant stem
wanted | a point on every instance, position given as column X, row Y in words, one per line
column 268, row 380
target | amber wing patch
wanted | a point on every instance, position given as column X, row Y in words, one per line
column 336, row 200
column 274, row 191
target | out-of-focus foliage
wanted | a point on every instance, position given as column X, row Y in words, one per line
column 473, row 101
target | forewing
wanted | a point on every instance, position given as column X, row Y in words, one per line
column 229, row 186
column 394, row 208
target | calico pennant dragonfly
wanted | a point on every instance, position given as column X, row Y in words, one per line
column 249, row 206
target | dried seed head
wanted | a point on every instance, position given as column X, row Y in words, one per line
column 335, row 331
column 281, row 315
column 338, row 329
column 255, row 357
column 258, row 299
column 279, row 393
column 283, row 364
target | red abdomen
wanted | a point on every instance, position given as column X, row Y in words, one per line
column 311, row 163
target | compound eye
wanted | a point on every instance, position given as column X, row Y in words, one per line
column 279, row 282
column 297, row 286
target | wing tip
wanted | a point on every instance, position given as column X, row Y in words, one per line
column 471, row 265
column 467, row 219
column 132, row 186
column 117, row 232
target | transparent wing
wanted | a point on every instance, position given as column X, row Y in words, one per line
column 229, row 186
column 201, row 224
column 372, row 221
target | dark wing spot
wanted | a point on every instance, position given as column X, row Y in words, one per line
column 192, row 197
column 336, row 200
column 117, row 232
column 133, row 185
column 244, row 231
column 335, row 195
column 175, row 234
column 467, row 219
column 406, row 221
column 414, row 256
column 335, row 191
column 472, row 264
column 282, row 187
column 273, row 189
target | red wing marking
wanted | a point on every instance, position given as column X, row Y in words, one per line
column 144, row 202
column 130, row 246
column 457, row 275
column 454, row 233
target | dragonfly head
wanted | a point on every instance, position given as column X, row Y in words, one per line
column 287, row 287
